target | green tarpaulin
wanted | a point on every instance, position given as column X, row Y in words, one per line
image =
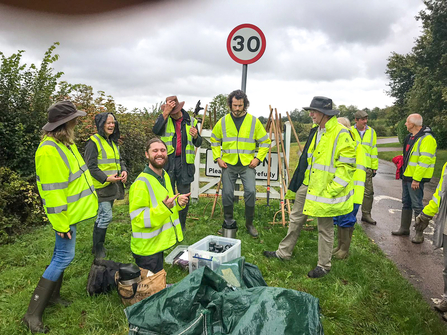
column 233, row 300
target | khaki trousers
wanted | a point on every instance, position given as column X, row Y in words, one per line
column 369, row 192
column 297, row 220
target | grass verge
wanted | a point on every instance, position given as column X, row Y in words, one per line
column 364, row 294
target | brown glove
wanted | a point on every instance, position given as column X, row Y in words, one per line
column 422, row 222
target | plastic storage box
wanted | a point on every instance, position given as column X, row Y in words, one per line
column 199, row 254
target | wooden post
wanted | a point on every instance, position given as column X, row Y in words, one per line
column 269, row 165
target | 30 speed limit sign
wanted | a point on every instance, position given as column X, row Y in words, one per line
column 246, row 43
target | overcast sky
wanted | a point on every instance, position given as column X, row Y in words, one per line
column 143, row 54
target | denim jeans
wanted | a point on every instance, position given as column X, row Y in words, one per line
column 63, row 254
column 347, row 220
column 104, row 214
column 412, row 199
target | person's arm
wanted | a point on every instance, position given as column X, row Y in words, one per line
column 91, row 159
column 160, row 125
column 344, row 163
column 263, row 140
column 216, row 141
column 374, row 152
column 198, row 140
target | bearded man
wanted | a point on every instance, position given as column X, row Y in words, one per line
column 154, row 210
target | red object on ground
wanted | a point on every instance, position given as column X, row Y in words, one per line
column 398, row 161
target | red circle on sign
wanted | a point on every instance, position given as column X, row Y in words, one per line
column 257, row 55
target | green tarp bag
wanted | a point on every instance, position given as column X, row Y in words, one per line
column 225, row 302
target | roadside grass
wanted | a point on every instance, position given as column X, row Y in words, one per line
column 390, row 145
column 441, row 159
column 364, row 294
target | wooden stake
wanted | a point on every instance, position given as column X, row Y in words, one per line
column 269, row 165
column 216, row 197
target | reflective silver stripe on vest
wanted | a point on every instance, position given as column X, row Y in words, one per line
column 191, row 152
column 236, row 151
column 359, row 183
column 54, row 186
column 168, row 143
column 168, row 134
column 146, row 216
column 154, row 201
column 262, row 139
column 435, row 200
column 106, row 161
column 103, row 151
column 331, row 201
column 56, row 210
column 322, row 167
column 76, row 175
column 347, row 160
column 166, row 226
column 360, row 167
column 367, row 154
column 76, row 197
column 424, row 154
column 253, row 126
column 216, row 138
column 373, row 156
column 264, row 145
column 224, row 127
column 214, row 144
column 341, row 181
column 335, row 146
column 246, row 140
column 422, row 164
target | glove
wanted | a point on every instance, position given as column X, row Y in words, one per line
column 422, row 221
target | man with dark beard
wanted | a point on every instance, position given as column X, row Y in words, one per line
column 154, row 210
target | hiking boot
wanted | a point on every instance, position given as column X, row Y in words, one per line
column 270, row 254
column 39, row 300
column 318, row 272
column 442, row 306
column 405, row 223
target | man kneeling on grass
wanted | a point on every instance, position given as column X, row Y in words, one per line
column 323, row 182
column 154, row 210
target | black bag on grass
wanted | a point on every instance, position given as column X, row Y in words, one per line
column 101, row 278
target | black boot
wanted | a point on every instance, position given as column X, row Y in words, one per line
column 99, row 236
column 39, row 300
column 56, row 296
column 228, row 215
column 249, row 216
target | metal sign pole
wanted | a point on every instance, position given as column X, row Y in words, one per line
column 244, row 78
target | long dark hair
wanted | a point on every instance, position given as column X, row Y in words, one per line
column 238, row 94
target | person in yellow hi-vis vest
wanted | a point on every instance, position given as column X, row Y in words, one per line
column 108, row 170
column 419, row 152
column 322, row 184
column 367, row 137
column 233, row 142
column 154, row 210
column 346, row 222
column 179, row 132
column 68, row 196
column 437, row 205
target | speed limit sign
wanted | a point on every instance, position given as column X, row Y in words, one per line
column 246, row 43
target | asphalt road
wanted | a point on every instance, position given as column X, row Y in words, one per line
column 419, row 263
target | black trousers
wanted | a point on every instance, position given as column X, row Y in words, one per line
column 153, row 263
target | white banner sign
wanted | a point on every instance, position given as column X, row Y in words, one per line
column 213, row 169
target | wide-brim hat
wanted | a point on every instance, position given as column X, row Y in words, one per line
column 60, row 113
column 323, row 105
column 178, row 105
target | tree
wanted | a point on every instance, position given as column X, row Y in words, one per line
column 25, row 95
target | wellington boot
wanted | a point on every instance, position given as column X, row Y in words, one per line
column 442, row 306
column 99, row 236
column 419, row 237
column 339, row 241
column 56, row 296
column 405, row 223
column 345, row 235
column 228, row 212
column 249, row 216
column 366, row 211
column 39, row 300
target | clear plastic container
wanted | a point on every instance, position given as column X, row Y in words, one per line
column 199, row 254
column 178, row 249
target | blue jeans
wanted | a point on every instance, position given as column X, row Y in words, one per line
column 412, row 199
column 64, row 252
column 104, row 214
column 347, row 220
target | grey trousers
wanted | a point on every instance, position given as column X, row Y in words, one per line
column 369, row 192
column 248, row 178
column 297, row 220
column 444, row 272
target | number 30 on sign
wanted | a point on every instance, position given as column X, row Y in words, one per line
column 246, row 43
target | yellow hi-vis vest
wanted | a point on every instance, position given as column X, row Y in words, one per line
column 433, row 206
column 421, row 164
column 330, row 172
column 233, row 145
column 169, row 133
column 65, row 184
column 359, row 174
column 155, row 227
column 369, row 143
column 108, row 159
